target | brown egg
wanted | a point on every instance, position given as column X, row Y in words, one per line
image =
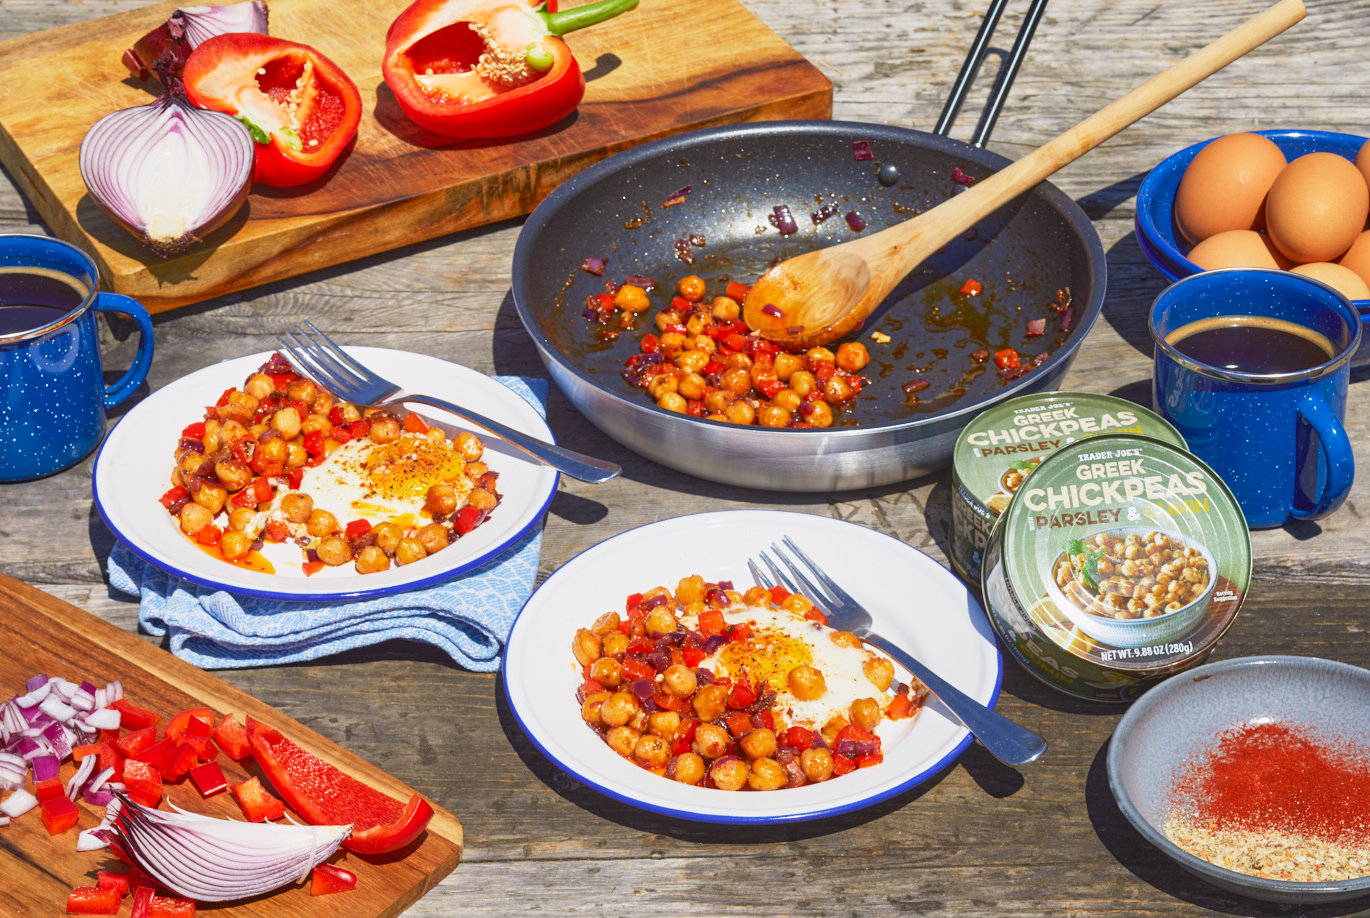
column 1363, row 161
column 1339, row 278
column 1237, row 249
column 1317, row 207
column 1225, row 185
column 1357, row 258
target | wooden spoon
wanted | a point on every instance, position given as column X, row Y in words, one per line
column 820, row 296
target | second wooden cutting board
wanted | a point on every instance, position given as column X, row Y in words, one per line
column 665, row 67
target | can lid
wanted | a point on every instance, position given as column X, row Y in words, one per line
column 1006, row 442
column 1127, row 551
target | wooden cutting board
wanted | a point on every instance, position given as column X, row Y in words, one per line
column 46, row 635
column 665, row 67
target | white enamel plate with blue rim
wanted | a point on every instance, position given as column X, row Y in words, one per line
column 134, row 465
column 914, row 601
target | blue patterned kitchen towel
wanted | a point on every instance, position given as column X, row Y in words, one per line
column 468, row 618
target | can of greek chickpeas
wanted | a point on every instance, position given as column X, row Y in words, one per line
column 997, row 450
column 1120, row 561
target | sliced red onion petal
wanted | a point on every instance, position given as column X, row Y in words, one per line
column 168, row 172
column 98, row 782
column 35, row 682
column 93, row 839
column 13, row 771
column 57, row 709
column 82, row 775
column 104, row 719
column 18, row 803
column 35, row 696
column 202, row 22
column 115, row 691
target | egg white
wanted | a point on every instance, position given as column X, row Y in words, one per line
column 780, row 641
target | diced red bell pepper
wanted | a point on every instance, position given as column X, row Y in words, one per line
column 49, row 789
column 302, row 109
column 972, row 287
column 800, row 738
column 133, row 717
column 637, row 669
column 209, row 535
column 136, row 741
column 741, row 696
column 691, row 655
column 740, row 724
column 195, row 430
column 232, row 738
column 330, row 879
column 356, row 529
column 177, row 727
column 176, row 495
column 208, row 779
column 311, row 568
column 415, row 424
column 339, row 434
column 257, row 803
column 841, row 765
column 900, row 708
column 779, row 594
column 166, row 907
column 1007, row 359
column 59, row 814
column 639, row 645
column 142, row 782
column 711, row 622
column 92, row 900
column 866, row 761
column 468, row 518
column 142, row 901
column 180, row 762
column 359, row 428
column 110, row 879
column 158, row 754
column 737, row 291
column 313, row 443
column 816, row 615
column 740, row 632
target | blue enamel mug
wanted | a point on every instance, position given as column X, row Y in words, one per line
column 54, row 401
column 1252, row 367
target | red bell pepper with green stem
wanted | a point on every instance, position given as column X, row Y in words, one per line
column 302, row 110
column 488, row 68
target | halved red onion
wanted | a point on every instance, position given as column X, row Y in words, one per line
column 173, row 40
column 168, row 172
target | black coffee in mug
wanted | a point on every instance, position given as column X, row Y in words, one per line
column 1252, row 344
column 32, row 297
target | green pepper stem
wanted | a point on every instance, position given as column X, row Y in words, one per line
column 564, row 21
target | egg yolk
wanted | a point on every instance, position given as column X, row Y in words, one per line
column 408, row 467
column 767, row 655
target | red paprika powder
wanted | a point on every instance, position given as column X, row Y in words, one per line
column 1269, row 777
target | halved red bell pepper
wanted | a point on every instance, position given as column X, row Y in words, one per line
column 302, row 109
column 488, row 68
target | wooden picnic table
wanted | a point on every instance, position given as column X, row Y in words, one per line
column 978, row 839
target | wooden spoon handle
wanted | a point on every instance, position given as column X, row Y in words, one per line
column 913, row 241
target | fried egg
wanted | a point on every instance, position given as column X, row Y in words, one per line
column 381, row 482
column 779, row 642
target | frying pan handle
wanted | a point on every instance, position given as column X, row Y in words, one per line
column 1002, row 83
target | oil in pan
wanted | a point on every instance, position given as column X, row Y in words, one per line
column 1121, row 560
column 996, row 451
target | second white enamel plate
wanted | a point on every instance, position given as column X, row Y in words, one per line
column 915, row 602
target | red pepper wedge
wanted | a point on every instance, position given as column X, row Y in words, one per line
column 302, row 109
column 488, row 68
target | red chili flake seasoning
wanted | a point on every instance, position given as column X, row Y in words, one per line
column 1272, row 801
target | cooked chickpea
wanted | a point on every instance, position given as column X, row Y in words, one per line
column 589, row 709
column 663, row 723
column 350, row 412
column 740, row 412
column 730, row 775
column 661, row 620
column 796, row 603
column 272, row 449
column 852, row 356
column 619, row 709
column 235, row 545
column 388, row 536
column 737, row 380
column 432, row 537
column 190, row 462
column 725, row 308
column 757, row 596
column 663, row 384
column 384, row 429
column 690, row 287
column 816, row 763
column 802, row 382
column 607, row 671
column 837, row 389
column 321, row 523
column 315, row 423
column 833, row 727
column 259, row 386
column 704, row 343
column 295, row 455
column 690, row 589
column 371, row 560
column 673, row 401
column 773, row 416
column 287, row 420
column 710, row 741
column 759, row 744
column 879, row 672
column 687, row 768
column 632, row 298
column 333, row 550
column 806, row 682
column 692, row 386
column 710, row 702
column 845, row 639
column 767, row 774
column 622, row 740
column 233, row 474
column 441, row 500
column 788, row 399
column 297, row 507
column 210, row 496
column 820, row 414
column 679, row 680
column 239, row 518
column 652, row 751
column 409, row 550
column 615, row 642
column 697, row 324
column 586, row 646
column 865, row 713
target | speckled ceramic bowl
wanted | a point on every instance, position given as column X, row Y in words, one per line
column 1182, row 716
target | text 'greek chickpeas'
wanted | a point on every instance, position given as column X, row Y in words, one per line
column 707, row 686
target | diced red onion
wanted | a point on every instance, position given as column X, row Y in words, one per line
column 713, row 643
column 640, row 280
column 98, row 782
column 861, row 150
column 4, row 820
column 97, row 798
column 960, row 177
column 794, row 773
column 658, row 660
column 658, row 600
column 676, row 196
column 774, row 311
column 13, row 771
column 115, row 691
column 824, row 212
column 35, row 682
column 643, row 689
column 855, row 748
column 18, row 803
column 855, row 221
column 704, row 674
column 78, row 781
column 1036, row 327
column 104, row 719
column 46, row 767
column 168, row 172
column 783, row 220
column 594, row 265
column 93, row 839
column 34, row 696
column 57, row 709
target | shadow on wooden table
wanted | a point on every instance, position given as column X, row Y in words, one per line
column 1148, row 864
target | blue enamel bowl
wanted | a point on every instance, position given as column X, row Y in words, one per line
column 1162, row 243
